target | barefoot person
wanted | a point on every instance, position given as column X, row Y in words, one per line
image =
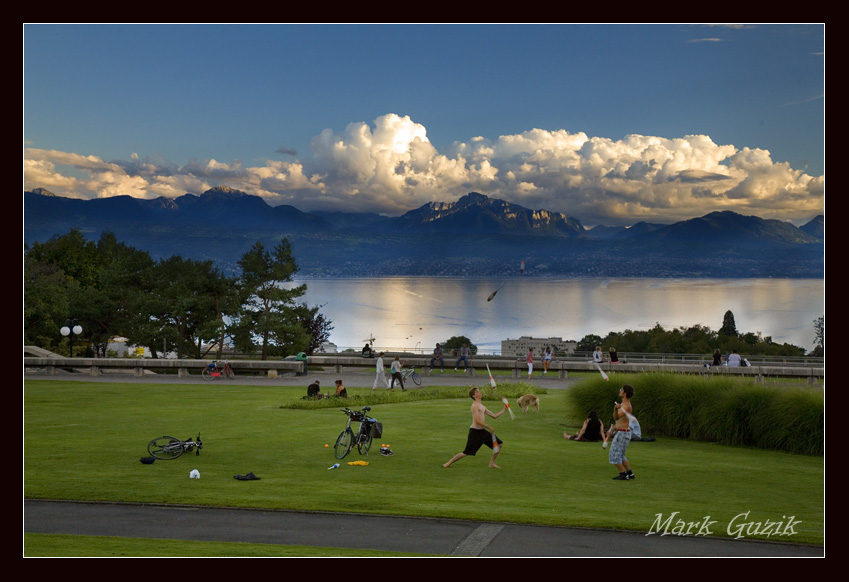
column 479, row 433
column 622, row 433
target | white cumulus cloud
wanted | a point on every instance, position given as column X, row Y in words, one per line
column 390, row 166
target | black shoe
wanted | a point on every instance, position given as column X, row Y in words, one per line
column 621, row 477
column 631, row 475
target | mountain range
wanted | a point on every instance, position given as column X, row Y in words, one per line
column 474, row 236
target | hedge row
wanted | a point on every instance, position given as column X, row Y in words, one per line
column 724, row 410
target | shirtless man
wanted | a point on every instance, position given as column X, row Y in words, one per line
column 479, row 433
column 622, row 433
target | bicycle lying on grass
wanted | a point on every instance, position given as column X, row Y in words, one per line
column 166, row 447
column 369, row 429
column 216, row 370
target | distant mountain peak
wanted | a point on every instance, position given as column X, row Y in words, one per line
column 222, row 191
column 478, row 213
column 42, row 192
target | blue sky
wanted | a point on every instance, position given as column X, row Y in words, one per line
column 611, row 124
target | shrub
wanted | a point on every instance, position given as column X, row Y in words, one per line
column 729, row 411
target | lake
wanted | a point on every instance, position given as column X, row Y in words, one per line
column 413, row 313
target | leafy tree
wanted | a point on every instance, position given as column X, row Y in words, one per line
column 588, row 343
column 46, row 294
column 184, row 312
column 457, row 341
column 316, row 325
column 268, row 314
column 77, row 256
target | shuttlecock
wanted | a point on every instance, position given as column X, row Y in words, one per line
column 195, row 474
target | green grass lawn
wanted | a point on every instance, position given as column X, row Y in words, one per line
column 84, row 441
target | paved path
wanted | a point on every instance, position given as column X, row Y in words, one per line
column 405, row 535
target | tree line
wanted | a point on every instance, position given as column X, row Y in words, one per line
column 185, row 306
column 699, row 339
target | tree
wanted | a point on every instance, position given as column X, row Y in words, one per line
column 456, row 342
column 729, row 328
column 819, row 337
column 268, row 314
column 316, row 325
column 588, row 343
column 185, row 310
column 46, row 295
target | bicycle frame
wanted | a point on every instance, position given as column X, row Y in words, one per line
column 218, row 370
column 166, row 447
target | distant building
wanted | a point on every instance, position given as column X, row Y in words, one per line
column 328, row 348
column 519, row 347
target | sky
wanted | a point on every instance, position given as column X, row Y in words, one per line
column 609, row 124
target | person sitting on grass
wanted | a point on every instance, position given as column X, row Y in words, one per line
column 341, row 392
column 592, row 431
column 314, row 391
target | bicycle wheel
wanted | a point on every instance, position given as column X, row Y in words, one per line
column 344, row 443
column 207, row 374
column 416, row 378
column 364, row 443
column 165, row 447
column 230, row 374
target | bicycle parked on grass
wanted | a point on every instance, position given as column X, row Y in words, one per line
column 166, row 447
column 218, row 370
column 411, row 373
column 369, row 430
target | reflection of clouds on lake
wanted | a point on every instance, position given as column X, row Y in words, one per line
column 403, row 313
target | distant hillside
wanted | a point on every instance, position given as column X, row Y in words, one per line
column 475, row 236
column 815, row 228
column 476, row 213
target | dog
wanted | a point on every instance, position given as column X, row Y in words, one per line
column 527, row 401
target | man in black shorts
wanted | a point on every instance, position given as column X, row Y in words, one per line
column 480, row 433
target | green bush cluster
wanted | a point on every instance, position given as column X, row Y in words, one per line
column 727, row 411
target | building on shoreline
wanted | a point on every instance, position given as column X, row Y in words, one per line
column 519, row 347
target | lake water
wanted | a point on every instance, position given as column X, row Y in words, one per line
column 413, row 313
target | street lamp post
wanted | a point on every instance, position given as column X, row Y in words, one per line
column 69, row 330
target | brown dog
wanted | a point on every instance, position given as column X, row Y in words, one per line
column 528, row 400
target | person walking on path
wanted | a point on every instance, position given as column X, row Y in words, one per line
column 396, row 374
column 530, row 361
column 480, row 433
column 381, row 373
